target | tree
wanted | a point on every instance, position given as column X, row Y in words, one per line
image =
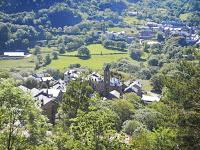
column 21, row 123
column 55, row 73
column 162, row 138
column 157, row 82
column 83, row 51
column 94, row 128
column 124, row 109
column 160, row 37
column 37, row 50
column 47, row 60
column 54, row 55
column 165, row 138
column 4, row 35
column 132, row 127
column 146, row 47
column 77, row 97
column 183, row 88
column 71, row 66
column 135, row 51
column 39, row 58
column 135, row 54
column 31, row 83
column 145, row 74
column 153, row 61
column 149, row 117
column 61, row 48
column 121, row 45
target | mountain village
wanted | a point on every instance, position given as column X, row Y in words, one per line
column 109, row 88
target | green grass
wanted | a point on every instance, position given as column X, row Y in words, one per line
column 117, row 29
column 96, row 49
column 146, row 85
column 99, row 49
column 145, row 55
column 133, row 21
column 95, row 62
column 44, row 50
column 25, row 64
column 185, row 16
column 21, row 64
column 129, row 31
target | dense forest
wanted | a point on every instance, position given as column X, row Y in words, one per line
column 23, row 23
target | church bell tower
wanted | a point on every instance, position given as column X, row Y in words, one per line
column 106, row 80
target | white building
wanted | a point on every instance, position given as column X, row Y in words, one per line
column 151, row 97
column 14, row 54
column 71, row 75
column 135, row 87
column 95, row 77
column 116, row 35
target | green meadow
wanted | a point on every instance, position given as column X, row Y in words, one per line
column 129, row 31
column 96, row 49
column 133, row 20
column 95, row 62
column 99, row 56
column 20, row 64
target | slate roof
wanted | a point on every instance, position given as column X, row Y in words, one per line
column 115, row 93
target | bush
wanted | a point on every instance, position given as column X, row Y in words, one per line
column 31, row 83
column 153, row 61
column 37, row 50
column 132, row 127
column 74, row 66
column 54, row 55
column 157, row 82
column 83, row 52
column 135, row 54
column 145, row 74
column 47, row 60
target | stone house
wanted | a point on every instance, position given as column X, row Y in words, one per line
column 71, row 75
column 135, row 87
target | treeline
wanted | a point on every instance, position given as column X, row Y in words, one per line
column 23, row 29
column 169, row 10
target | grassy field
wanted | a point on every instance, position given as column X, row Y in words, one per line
column 96, row 49
column 129, row 31
column 44, row 50
column 99, row 49
column 21, row 64
column 95, row 62
column 133, row 21
column 26, row 64
column 185, row 16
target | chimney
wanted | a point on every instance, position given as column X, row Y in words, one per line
column 42, row 102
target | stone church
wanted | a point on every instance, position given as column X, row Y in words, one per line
column 104, row 85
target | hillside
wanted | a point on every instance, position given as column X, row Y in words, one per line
column 66, row 25
column 100, row 74
column 41, row 16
